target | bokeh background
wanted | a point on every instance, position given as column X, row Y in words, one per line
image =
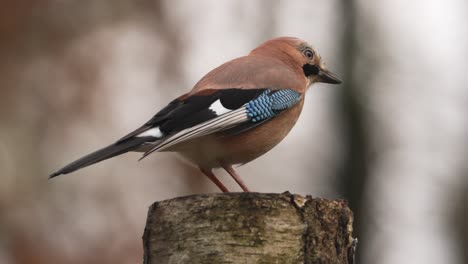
column 392, row 139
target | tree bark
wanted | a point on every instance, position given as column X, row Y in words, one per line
column 249, row 228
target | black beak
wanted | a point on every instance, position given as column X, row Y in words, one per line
column 325, row 76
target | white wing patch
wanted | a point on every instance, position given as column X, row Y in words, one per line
column 154, row 132
column 218, row 108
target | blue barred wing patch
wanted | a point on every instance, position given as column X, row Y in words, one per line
column 270, row 103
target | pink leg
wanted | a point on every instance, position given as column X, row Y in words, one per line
column 236, row 177
column 215, row 180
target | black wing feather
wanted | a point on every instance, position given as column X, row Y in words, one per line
column 158, row 118
column 235, row 98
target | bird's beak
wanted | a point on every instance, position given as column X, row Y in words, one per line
column 326, row 76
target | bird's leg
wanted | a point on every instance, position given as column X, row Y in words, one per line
column 215, row 180
column 236, row 177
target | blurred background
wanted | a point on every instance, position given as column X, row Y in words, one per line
column 392, row 139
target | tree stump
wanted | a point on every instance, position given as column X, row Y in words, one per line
column 249, row 228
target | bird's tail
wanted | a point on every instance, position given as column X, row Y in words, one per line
column 103, row 154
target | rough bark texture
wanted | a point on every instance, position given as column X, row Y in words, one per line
column 249, row 228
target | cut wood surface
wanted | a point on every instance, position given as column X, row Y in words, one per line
column 249, row 228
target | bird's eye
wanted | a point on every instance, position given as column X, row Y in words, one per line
column 309, row 54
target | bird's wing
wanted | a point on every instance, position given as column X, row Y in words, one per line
column 212, row 110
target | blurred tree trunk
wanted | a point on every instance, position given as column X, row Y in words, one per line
column 249, row 228
column 459, row 226
column 460, row 216
column 353, row 173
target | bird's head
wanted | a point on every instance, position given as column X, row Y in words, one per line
column 300, row 55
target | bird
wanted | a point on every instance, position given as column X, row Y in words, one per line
column 234, row 114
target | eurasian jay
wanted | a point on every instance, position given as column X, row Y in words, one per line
column 233, row 115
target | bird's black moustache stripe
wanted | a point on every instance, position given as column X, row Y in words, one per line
column 310, row 69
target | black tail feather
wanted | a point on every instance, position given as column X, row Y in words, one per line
column 103, row 154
